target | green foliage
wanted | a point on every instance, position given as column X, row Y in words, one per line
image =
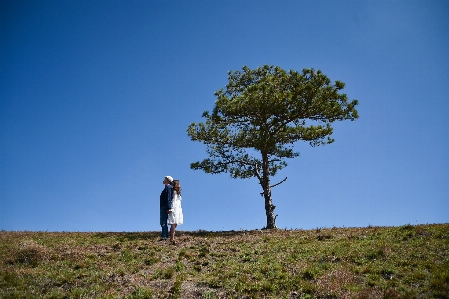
column 268, row 110
column 140, row 293
column 374, row 262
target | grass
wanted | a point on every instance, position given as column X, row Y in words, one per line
column 373, row 262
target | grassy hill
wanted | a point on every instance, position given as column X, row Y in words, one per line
column 372, row 262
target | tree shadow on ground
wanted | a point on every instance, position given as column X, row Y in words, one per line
column 128, row 236
column 143, row 236
column 205, row 233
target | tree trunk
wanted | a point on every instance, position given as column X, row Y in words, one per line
column 269, row 207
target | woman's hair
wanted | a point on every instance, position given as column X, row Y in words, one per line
column 177, row 186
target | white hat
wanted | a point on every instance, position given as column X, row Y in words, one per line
column 169, row 178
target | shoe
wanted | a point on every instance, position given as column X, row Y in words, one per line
column 173, row 242
column 162, row 239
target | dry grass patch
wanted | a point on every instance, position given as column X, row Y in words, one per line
column 373, row 262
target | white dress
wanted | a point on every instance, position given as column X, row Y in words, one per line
column 176, row 217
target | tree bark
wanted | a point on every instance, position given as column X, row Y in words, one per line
column 265, row 182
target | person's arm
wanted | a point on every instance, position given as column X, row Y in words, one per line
column 170, row 198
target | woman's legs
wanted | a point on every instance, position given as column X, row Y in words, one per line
column 172, row 231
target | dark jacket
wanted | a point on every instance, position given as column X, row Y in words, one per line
column 166, row 198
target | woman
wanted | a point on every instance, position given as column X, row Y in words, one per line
column 175, row 216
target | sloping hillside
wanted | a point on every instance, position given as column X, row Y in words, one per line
column 373, row 262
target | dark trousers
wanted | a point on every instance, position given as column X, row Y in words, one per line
column 163, row 222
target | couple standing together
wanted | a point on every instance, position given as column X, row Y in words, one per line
column 170, row 207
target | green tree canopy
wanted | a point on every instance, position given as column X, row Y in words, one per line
column 259, row 116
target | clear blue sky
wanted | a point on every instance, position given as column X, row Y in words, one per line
column 96, row 97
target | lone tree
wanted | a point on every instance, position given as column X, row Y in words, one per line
column 259, row 116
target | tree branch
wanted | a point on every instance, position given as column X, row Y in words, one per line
column 256, row 171
column 275, row 185
column 279, row 183
column 237, row 162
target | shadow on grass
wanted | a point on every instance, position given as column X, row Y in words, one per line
column 127, row 236
column 205, row 233
column 143, row 236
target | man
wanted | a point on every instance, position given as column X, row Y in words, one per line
column 165, row 205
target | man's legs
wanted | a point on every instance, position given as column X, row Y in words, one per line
column 163, row 222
